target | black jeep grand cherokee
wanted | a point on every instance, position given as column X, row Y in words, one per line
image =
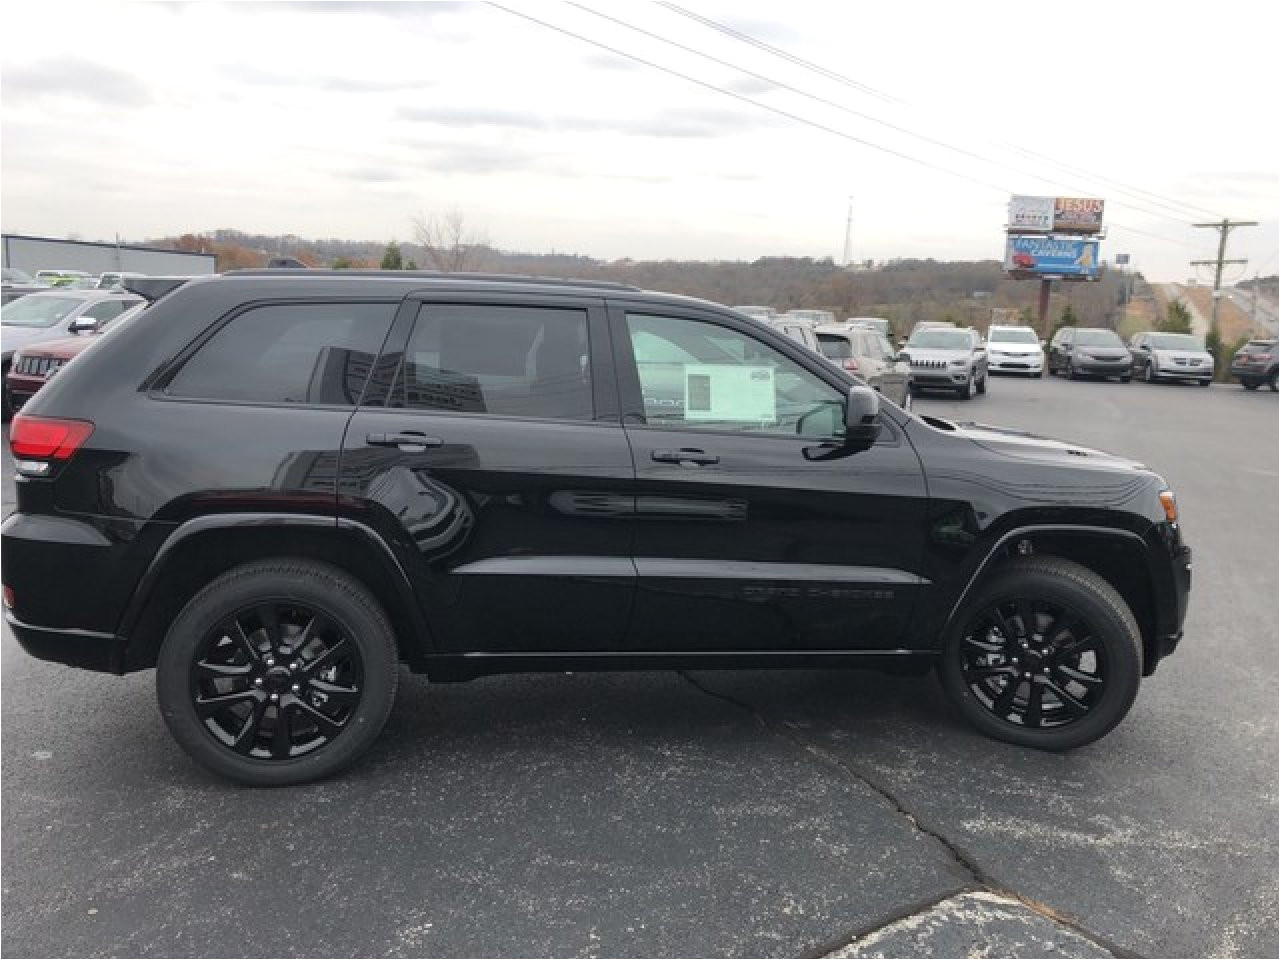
column 274, row 487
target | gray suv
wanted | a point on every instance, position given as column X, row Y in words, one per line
column 947, row 358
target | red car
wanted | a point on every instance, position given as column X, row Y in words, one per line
column 33, row 366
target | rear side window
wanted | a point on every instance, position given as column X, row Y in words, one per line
column 303, row 353
column 506, row 360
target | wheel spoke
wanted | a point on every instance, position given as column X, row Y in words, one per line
column 241, row 640
column 328, row 658
column 1069, row 703
column 1079, row 676
column 1026, row 613
column 1006, row 628
column 248, row 734
column 270, row 618
column 208, row 706
column 1004, row 703
column 1035, row 694
column 337, row 695
column 328, row 726
column 978, row 674
column 1075, row 647
column 1061, row 623
column 280, row 739
column 222, row 671
column 985, row 645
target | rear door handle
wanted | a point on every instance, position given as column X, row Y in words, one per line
column 410, row 441
column 685, row 455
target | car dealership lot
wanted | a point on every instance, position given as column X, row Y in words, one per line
column 703, row 814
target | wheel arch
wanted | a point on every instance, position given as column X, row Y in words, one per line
column 1118, row 556
column 202, row 549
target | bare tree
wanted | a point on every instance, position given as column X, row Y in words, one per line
column 450, row 247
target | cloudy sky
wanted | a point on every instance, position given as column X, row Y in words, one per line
column 685, row 130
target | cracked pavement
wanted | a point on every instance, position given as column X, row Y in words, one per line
column 746, row 813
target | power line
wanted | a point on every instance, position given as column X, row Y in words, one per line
column 795, row 117
column 818, row 68
column 845, row 109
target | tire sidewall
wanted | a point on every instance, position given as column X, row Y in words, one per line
column 325, row 589
column 1122, row 645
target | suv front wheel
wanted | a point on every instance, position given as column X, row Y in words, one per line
column 1046, row 654
column 278, row 672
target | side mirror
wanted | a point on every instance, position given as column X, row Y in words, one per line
column 84, row 325
column 1146, row 347
column 860, row 416
column 903, row 356
column 1043, row 344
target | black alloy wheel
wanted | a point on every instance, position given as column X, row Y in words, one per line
column 1046, row 655
column 278, row 672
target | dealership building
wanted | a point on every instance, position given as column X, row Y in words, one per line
column 46, row 253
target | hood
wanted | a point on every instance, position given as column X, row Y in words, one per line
column 918, row 354
column 63, row 348
column 15, row 337
column 1017, row 443
column 1015, row 349
column 1105, row 353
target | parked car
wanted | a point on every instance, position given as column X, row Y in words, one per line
column 112, row 280
column 1090, row 351
column 879, row 324
column 276, row 489
column 31, row 367
column 798, row 330
column 766, row 314
column 813, row 317
column 76, row 279
column 52, row 315
column 15, row 283
column 1015, row 350
column 947, row 358
column 1170, row 356
column 1255, row 364
column 864, row 352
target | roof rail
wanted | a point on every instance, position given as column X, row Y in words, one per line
column 432, row 275
column 152, row 289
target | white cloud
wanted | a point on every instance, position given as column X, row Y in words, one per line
column 347, row 119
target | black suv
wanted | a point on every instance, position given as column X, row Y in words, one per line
column 277, row 486
column 1255, row 364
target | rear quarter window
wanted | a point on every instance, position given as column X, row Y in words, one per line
column 304, row 353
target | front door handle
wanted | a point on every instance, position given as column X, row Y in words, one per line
column 685, row 456
column 410, row 441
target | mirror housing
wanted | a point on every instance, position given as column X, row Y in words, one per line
column 860, row 416
column 1043, row 344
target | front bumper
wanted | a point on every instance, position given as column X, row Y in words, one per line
column 1103, row 368
column 1182, row 373
column 1030, row 364
column 939, row 378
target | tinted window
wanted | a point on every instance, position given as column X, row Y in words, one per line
column 514, row 361
column 294, row 353
column 109, row 309
column 725, row 380
column 834, row 346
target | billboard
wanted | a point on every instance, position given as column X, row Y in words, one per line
column 1055, row 215
column 1052, row 256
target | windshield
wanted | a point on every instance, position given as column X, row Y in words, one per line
column 1013, row 335
column 1176, row 341
column 835, row 347
column 940, row 339
column 38, row 311
column 1098, row 338
column 14, row 275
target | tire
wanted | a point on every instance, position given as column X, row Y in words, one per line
column 1082, row 688
column 1071, row 371
column 1039, row 374
column 1147, row 375
column 1271, row 382
column 348, row 667
column 982, row 385
column 1249, row 384
column 1204, row 383
column 965, row 392
column 1125, row 379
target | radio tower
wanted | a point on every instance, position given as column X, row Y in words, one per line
column 848, row 236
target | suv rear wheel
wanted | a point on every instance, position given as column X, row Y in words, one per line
column 278, row 672
column 1045, row 654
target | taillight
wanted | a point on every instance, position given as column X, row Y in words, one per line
column 37, row 442
column 849, row 363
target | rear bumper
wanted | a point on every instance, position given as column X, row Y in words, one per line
column 86, row 649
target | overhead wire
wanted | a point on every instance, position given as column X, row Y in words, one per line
column 1168, row 202
column 795, row 117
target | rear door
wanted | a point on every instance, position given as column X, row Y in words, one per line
column 747, row 538
column 489, row 453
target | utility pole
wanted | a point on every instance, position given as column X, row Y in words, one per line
column 1223, row 229
column 848, row 237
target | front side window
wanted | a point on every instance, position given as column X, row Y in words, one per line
column 304, row 353
column 696, row 374
column 506, row 360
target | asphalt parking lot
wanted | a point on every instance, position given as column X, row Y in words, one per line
column 707, row 814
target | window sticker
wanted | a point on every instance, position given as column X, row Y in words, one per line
column 729, row 392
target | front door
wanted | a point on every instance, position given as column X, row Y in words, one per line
column 488, row 453
column 747, row 536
